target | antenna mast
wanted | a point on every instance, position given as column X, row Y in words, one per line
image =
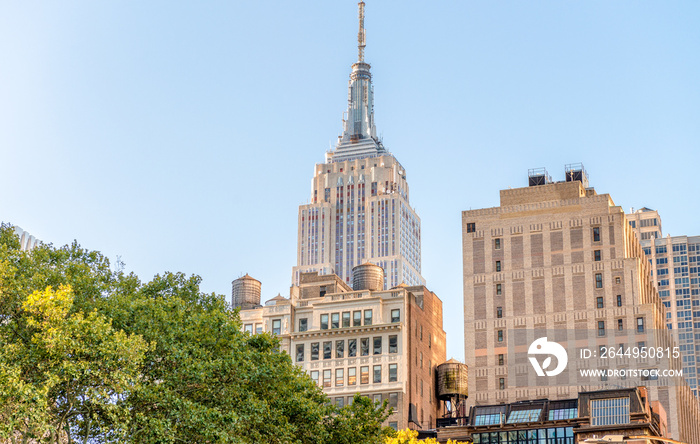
column 361, row 34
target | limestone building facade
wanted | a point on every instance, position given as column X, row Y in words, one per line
column 559, row 256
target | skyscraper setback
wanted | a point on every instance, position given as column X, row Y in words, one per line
column 359, row 210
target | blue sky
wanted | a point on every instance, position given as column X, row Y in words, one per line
column 182, row 136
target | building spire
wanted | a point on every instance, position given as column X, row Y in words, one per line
column 361, row 42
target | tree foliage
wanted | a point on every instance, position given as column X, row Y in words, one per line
column 409, row 436
column 89, row 354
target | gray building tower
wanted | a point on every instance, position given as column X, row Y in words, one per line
column 359, row 210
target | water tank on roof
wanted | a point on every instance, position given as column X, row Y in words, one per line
column 452, row 381
column 245, row 292
column 368, row 277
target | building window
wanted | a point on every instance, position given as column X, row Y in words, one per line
column 498, row 289
column 498, row 266
column 352, row 348
column 314, row 351
column 303, row 324
column 356, row 318
column 339, row 377
column 377, row 374
column 327, row 349
column 599, row 302
column 393, row 344
column 326, row 378
column 276, row 326
column 248, row 328
column 364, row 347
column 377, row 345
column 352, row 376
column 364, row 374
column 601, row 328
column 640, row 325
column 393, row 372
column 346, row 319
column 339, row 402
column 596, row 234
column 300, row 352
column 395, row 315
column 394, row 425
column 335, row 320
column 393, row 397
column 619, row 324
column 258, row 329
column 610, row 411
column 501, row 359
column 471, row 227
column 598, row 280
column 368, row 317
column 314, row 376
column 324, row 322
column 618, row 280
column 497, row 243
column 500, row 335
column 501, row 383
column 340, row 349
column 619, row 300
column 596, row 255
column 499, row 312
column 420, row 354
column 322, row 291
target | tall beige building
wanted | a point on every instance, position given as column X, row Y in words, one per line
column 558, row 257
column 359, row 209
column 383, row 344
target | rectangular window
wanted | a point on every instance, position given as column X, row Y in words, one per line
column 596, row 255
column 352, row 376
column 501, row 359
column 303, row 324
column 300, row 352
column 327, row 349
column 500, row 335
column 498, row 289
column 395, row 315
column 364, row 374
column 498, row 266
column 377, row 398
column 346, row 319
column 356, row 318
column 377, row 374
column 497, row 243
column 619, row 300
column 393, row 400
column 596, row 234
column 248, row 328
column 327, row 378
column 277, row 327
column 620, row 325
column 364, row 347
column 501, row 383
column 258, row 329
column 368, row 317
column 314, row 376
column 339, row 377
column 314, row 351
column 598, row 280
column 601, row 328
column 599, row 302
column 393, row 373
column 324, row 322
column 340, row 349
column 393, row 344
column 339, row 402
column 640, row 325
column 335, row 320
column 610, row 411
column 499, row 312
column 377, row 345
column 352, row 348
column 471, row 227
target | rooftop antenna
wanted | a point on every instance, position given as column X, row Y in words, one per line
column 361, row 34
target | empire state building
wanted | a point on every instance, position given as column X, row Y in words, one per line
column 359, row 210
